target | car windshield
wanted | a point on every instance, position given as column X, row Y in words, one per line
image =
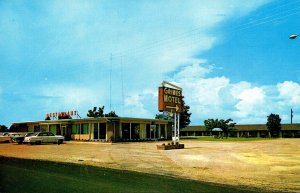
column 30, row 134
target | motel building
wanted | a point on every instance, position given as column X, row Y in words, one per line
column 106, row 129
column 251, row 130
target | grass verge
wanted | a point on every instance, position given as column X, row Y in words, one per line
column 23, row 175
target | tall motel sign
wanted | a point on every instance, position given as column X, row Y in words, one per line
column 170, row 101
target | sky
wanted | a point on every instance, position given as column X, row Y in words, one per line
column 233, row 58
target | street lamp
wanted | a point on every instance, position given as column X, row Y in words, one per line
column 294, row 36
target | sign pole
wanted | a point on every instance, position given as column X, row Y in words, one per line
column 178, row 126
column 175, row 126
column 170, row 100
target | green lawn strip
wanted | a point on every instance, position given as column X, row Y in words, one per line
column 229, row 139
column 22, row 175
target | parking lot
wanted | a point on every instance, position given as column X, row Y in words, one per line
column 268, row 164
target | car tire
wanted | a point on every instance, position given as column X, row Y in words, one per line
column 38, row 142
column 60, row 141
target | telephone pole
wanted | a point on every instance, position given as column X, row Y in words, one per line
column 292, row 116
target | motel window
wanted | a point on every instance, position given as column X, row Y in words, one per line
column 125, row 130
column 135, row 131
column 75, row 129
column 102, row 131
column 162, row 131
column 36, row 128
column 96, row 131
column 85, row 128
column 53, row 128
column 44, row 128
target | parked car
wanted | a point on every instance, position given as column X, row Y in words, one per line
column 43, row 137
column 6, row 137
column 19, row 139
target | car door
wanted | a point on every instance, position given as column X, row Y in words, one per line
column 43, row 137
column 51, row 138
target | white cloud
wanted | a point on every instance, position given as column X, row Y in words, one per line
column 238, row 88
column 251, row 102
column 68, row 97
column 217, row 97
column 289, row 93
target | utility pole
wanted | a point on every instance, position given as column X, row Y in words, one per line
column 110, row 72
column 292, row 116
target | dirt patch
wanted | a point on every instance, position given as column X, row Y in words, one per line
column 270, row 164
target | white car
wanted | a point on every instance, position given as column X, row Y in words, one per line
column 6, row 137
column 43, row 137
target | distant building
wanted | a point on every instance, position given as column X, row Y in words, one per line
column 101, row 129
column 255, row 130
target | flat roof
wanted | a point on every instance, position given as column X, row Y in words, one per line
column 92, row 119
column 245, row 127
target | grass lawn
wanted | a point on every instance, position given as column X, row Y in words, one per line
column 230, row 139
column 22, row 175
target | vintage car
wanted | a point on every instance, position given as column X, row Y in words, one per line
column 43, row 137
column 6, row 137
column 20, row 138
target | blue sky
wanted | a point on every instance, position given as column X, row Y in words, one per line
column 232, row 58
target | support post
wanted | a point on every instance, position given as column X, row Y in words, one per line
column 130, row 132
column 178, row 126
column 175, row 127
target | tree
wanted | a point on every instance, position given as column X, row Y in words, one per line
column 96, row 113
column 100, row 113
column 226, row 125
column 111, row 114
column 274, row 124
column 3, row 128
column 210, row 124
column 184, row 115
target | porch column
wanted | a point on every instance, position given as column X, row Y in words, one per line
column 114, row 131
column 280, row 134
column 130, row 131
column 106, row 131
column 159, row 131
column 237, row 134
column 79, row 130
column 258, row 134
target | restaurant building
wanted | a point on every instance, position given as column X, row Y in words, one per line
column 106, row 129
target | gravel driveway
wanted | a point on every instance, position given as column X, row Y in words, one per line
column 269, row 164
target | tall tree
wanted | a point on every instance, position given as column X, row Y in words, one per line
column 184, row 115
column 226, row 125
column 3, row 128
column 96, row 113
column 111, row 114
column 274, row 124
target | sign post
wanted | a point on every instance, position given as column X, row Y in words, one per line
column 170, row 99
